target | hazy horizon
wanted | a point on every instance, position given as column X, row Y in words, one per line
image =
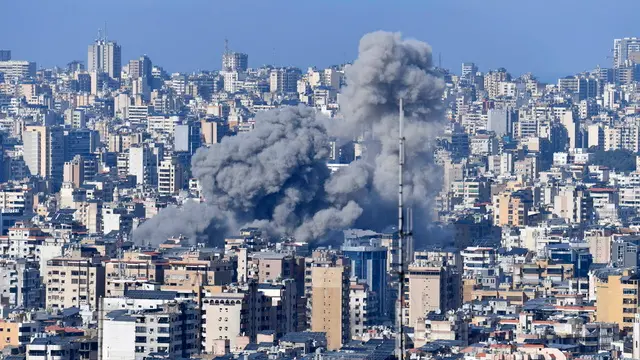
column 549, row 39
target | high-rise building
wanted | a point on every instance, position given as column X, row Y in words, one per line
column 44, row 150
column 512, row 208
column 284, row 80
column 141, row 68
column 188, row 137
column 469, row 70
column 170, row 329
column 232, row 312
column 80, row 169
column 105, row 57
column 328, row 297
column 20, row 285
column 369, row 264
column 5, row 55
column 234, row 61
column 14, row 70
column 212, row 131
column 143, row 163
column 432, row 286
column 623, row 49
column 74, row 281
column 170, row 176
column 617, row 296
column 80, row 142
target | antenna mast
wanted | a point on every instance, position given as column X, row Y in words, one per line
column 401, row 258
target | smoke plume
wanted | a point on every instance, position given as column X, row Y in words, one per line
column 388, row 69
column 272, row 177
column 276, row 178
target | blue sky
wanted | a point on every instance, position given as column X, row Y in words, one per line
column 548, row 38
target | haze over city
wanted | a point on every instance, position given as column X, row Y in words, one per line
column 548, row 38
column 280, row 180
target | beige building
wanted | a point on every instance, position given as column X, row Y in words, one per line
column 329, row 298
column 74, row 171
column 431, row 286
column 434, row 327
column 512, row 208
column 44, row 151
column 74, row 281
column 617, row 298
column 16, row 332
column 132, row 272
column 232, row 312
column 599, row 241
column 271, row 266
column 188, row 276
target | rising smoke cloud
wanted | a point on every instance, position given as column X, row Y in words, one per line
column 275, row 177
column 388, row 69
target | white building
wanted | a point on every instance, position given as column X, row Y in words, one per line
column 15, row 70
column 105, row 57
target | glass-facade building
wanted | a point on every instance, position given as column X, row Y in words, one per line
column 369, row 264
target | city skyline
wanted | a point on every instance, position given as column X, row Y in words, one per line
column 198, row 44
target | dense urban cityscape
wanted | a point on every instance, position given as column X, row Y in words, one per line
column 387, row 208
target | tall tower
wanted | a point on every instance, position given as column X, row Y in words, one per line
column 44, row 152
column 234, row 61
column 105, row 57
column 400, row 345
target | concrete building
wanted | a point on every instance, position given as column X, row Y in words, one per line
column 170, row 330
column 170, row 176
column 283, row 312
column 17, row 331
column 235, row 61
column 329, row 298
column 212, row 131
column 623, row 49
column 368, row 263
column 74, row 281
column 432, row 286
column 574, row 204
column 233, row 312
column 188, row 137
column 450, row 326
column 20, row 284
column 143, row 163
column 16, row 198
column 362, row 309
column 21, row 242
column 512, row 208
column 469, row 70
column 105, row 57
column 617, row 295
column 284, row 80
column 14, row 70
column 54, row 347
column 44, row 150
column 74, row 171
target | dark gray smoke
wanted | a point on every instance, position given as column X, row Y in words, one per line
column 195, row 221
column 275, row 177
column 272, row 177
column 388, row 69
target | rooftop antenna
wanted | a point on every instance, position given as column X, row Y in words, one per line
column 401, row 261
column 99, row 34
column 226, row 46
